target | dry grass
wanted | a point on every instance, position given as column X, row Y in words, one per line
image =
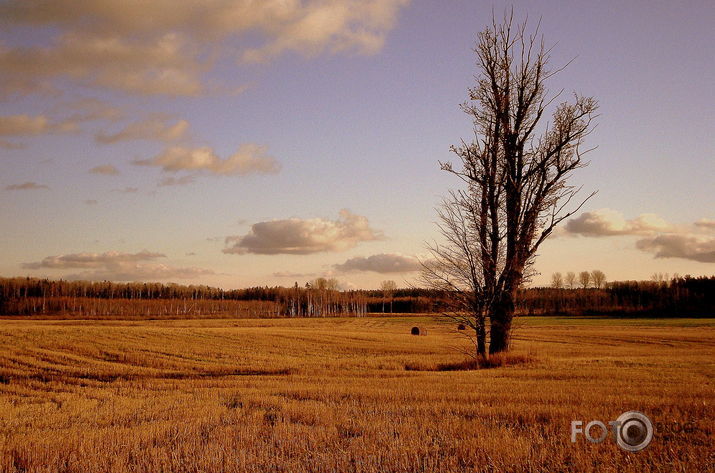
column 333, row 395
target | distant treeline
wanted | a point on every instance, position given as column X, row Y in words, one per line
column 31, row 296
column 680, row 296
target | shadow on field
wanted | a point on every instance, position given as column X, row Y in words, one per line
column 112, row 377
column 494, row 361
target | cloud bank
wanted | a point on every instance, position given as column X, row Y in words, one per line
column 157, row 65
column 167, row 46
column 117, row 266
column 303, row 236
column 381, row 263
column 684, row 246
column 657, row 236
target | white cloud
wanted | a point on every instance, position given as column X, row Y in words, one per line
column 381, row 263
column 117, row 266
column 357, row 26
column 25, row 186
column 105, row 169
column 684, row 246
column 608, row 222
column 153, row 128
column 303, row 236
column 248, row 159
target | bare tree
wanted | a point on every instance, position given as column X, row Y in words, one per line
column 571, row 279
column 388, row 289
column 324, row 284
column 557, row 280
column 584, row 277
column 515, row 172
column 599, row 278
column 456, row 268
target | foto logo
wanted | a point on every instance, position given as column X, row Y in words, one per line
column 632, row 431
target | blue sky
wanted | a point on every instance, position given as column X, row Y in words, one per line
column 272, row 118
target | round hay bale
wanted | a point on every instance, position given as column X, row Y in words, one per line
column 461, row 327
column 415, row 331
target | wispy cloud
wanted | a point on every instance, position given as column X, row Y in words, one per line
column 28, row 125
column 117, row 266
column 608, row 222
column 706, row 223
column 155, row 128
column 90, row 109
column 92, row 260
column 26, row 186
column 176, row 181
column 292, row 275
column 105, row 169
column 381, row 263
column 248, row 159
column 19, row 125
column 127, row 190
column 4, row 144
column 303, row 236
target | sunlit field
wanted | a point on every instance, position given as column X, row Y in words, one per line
column 334, row 395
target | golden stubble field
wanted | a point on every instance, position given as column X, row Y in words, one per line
column 333, row 395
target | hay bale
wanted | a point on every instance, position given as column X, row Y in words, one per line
column 415, row 331
column 461, row 327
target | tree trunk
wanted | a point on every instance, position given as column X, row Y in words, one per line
column 481, row 338
column 500, row 318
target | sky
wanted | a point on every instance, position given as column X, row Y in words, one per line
column 242, row 143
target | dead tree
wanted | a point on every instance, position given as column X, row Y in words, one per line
column 515, row 174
